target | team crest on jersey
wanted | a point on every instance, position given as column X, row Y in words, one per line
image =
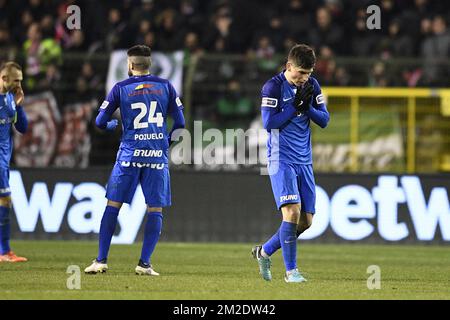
column 269, row 102
column 320, row 99
column 104, row 104
column 144, row 86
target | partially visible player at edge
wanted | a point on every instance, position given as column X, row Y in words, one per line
column 290, row 100
column 11, row 112
column 145, row 101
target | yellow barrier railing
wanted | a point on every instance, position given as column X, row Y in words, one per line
column 406, row 100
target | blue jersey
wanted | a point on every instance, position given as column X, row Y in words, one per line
column 7, row 118
column 292, row 142
column 144, row 102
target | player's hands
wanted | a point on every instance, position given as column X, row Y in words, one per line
column 111, row 125
column 19, row 96
column 303, row 97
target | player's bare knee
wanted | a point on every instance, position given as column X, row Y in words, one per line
column 291, row 212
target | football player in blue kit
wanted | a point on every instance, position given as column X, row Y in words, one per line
column 11, row 113
column 145, row 101
column 290, row 101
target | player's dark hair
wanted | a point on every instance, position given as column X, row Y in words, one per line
column 139, row 51
column 302, row 56
column 9, row 65
column 140, row 57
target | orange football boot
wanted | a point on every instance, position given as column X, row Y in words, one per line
column 11, row 257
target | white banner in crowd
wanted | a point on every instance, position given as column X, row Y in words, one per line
column 165, row 65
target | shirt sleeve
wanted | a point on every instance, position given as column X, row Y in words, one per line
column 11, row 105
column 270, row 95
column 271, row 115
column 175, row 103
column 318, row 98
column 112, row 101
column 21, row 123
column 178, row 123
column 318, row 113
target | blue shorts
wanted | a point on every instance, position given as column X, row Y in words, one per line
column 293, row 183
column 154, row 180
column 5, row 190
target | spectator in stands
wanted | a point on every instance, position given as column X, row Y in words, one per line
column 218, row 35
column 277, row 32
column 76, row 42
column 327, row 72
column 47, row 24
column 171, row 35
column 341, row 77
column 363, row 41
column 413, row 19
column 396, row 43
column 20, row 29
column 325, row 66
column 38, row 9
column 39, row 53
column 326, row 33
column 378, row 76
column 436, row 51
column 297, row 19
column 62, row 33
column 264, row 54
column 389, row 11
column 190, row 16
column 7, row 48
column 51, row 79
column 191, row 47
column 150, row 40
column 265, row 48
column 4, row 8
column 117, row 31
column 145, row 26
column 234, row 109
column 92, row 78
column 145, row 11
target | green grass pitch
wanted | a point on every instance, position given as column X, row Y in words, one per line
column 201, row 271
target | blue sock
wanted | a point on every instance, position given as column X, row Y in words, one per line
column 107, row 228
column 288, row 242
column 152, row 231
column 273, row 244
column 5, row 230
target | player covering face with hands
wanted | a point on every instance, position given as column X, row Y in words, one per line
column 11, row 114
column 290, row 102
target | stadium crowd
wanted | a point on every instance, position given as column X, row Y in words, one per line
column 36, row 31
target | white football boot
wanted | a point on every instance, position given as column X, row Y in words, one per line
column 145, row 270
column 96, row 267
